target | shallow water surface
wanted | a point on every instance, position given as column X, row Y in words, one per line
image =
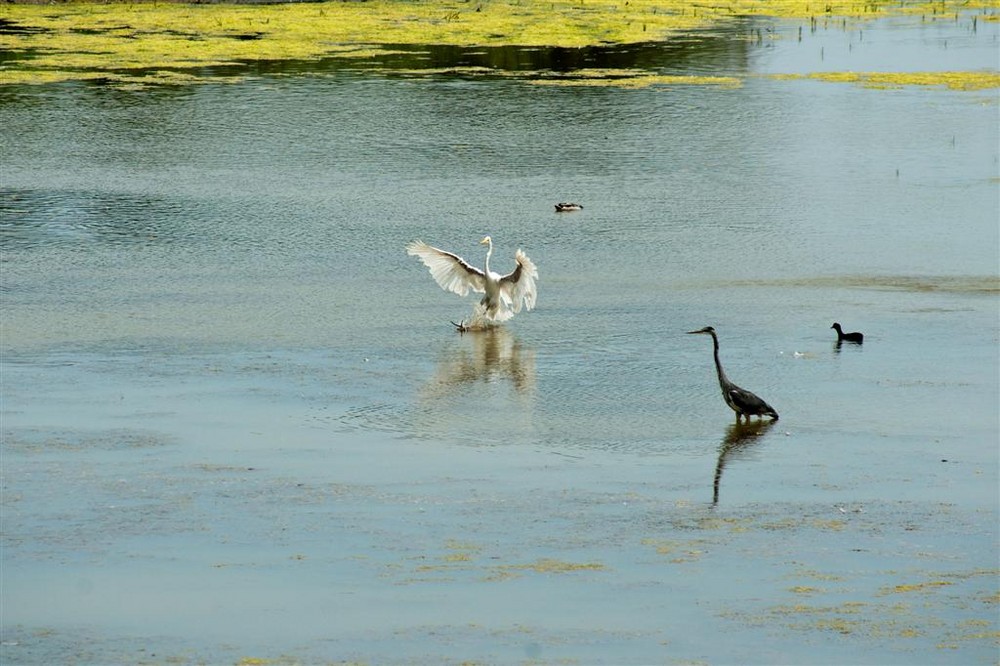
column 237, row 422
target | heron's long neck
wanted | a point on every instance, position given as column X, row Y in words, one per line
column 718, row 366
column 489, row 251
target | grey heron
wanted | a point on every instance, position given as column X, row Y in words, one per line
column 741, row 401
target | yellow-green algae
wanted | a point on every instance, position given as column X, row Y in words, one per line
column 893, row 611
column 679, row 552
column 914, row 587
column 976, row 80
column 462, row 559
column 290, row 661
column 148, row 43
column 625, row 78
column 553, row 566
column 969, row 284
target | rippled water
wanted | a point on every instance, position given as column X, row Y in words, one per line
column 255, row 232
column 273, row 214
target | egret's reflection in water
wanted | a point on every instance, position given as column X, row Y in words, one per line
column 489, row 356
column 740, row 437
column 481, row 392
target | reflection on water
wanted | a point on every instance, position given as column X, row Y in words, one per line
column 490, row 355
column 842, row 343
column 740, row 437
column 715, row 50
column 482, row 390
column 719, row 49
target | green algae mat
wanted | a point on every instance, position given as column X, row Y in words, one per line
column 157, row 43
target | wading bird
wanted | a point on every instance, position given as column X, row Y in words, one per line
column 854, row 337
column 503, row 294
column 567, row 207
column 741, row 401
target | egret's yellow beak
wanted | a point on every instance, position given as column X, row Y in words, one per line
column 486, row 239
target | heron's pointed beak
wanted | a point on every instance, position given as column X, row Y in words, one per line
column 693, row 332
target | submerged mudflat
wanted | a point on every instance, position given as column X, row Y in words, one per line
column 249, row 519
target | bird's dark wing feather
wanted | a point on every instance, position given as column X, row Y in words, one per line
column 514, row 275
column 748, row 402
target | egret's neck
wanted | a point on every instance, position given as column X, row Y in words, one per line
column 489, row 251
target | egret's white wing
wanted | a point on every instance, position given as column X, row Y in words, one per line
column 518, row 286
column 449, row 270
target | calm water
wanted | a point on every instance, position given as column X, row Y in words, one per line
column 219, row 270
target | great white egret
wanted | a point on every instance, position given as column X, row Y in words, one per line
column 854, row 337
column 503, row 295
column 567, row 207
column 741, row 401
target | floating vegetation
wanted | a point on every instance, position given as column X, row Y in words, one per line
column 551, row 566
column 915, row 587
column 970, row 284
column 283, row 661
column 36, row 441
column 904, row 610
column 126, row 44
column 678, row 552
column 952, row 80
column 633, row 79
column 462, row 560
column 862, row 619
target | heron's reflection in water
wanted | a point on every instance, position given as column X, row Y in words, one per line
column 490, row 355
column 740, row 437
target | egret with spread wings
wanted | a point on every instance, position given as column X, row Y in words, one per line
column 503, row 295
